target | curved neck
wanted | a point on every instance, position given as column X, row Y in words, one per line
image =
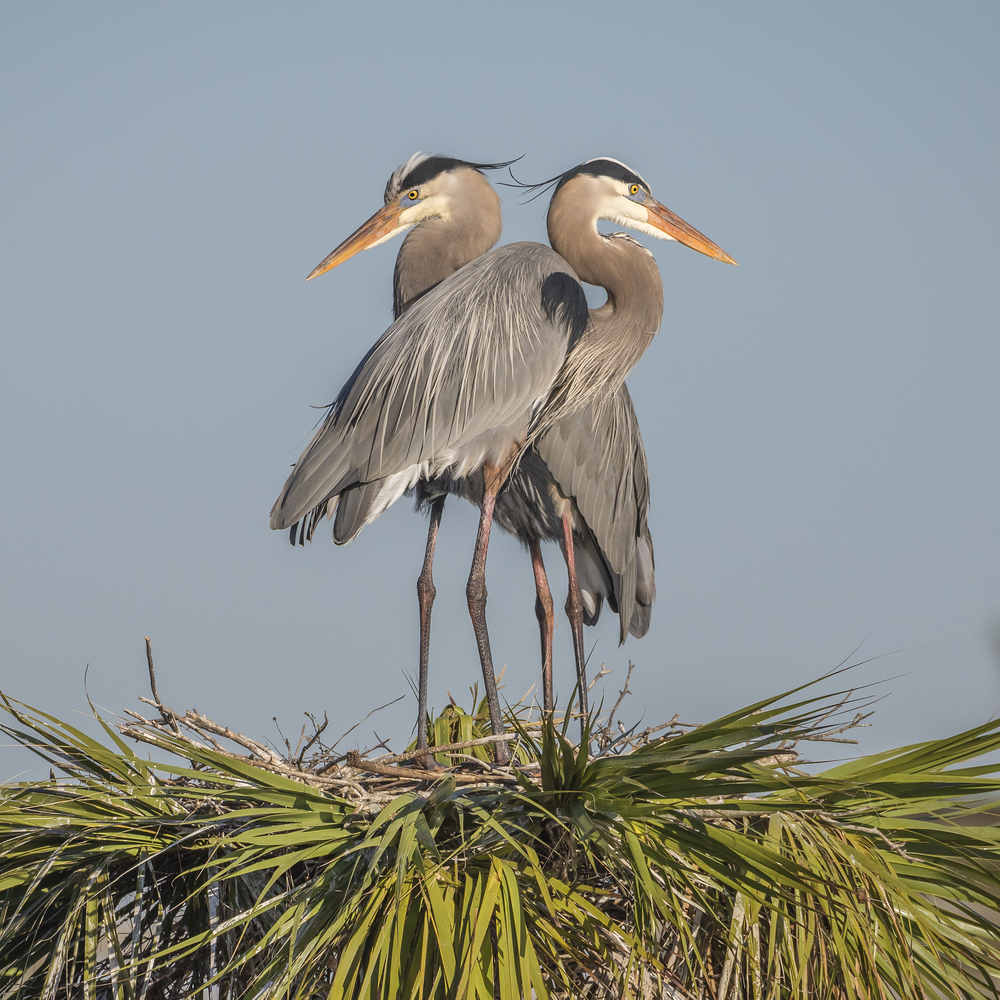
column 437, row 247
column 622, row 328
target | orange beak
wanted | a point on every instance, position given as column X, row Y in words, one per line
column 379, row 227
column 660, row 217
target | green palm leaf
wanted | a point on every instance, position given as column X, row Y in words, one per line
column 682, row 866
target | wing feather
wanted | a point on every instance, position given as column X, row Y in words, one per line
column 458, row 374
column 596, row 456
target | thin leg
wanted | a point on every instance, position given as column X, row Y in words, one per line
column 476, row 593
column 574, row 611
column 426, row 592
column 545, row 614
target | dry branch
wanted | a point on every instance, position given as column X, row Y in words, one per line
column 412, row 754
column 370, row 782
column 152, row 686
column 355, row 761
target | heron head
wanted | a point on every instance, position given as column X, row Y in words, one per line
column 608, row 189
column 426, row 186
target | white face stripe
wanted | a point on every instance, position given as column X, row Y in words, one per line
column 616, row 206
column 390, row 236
column 643, row 227
column 434, row 205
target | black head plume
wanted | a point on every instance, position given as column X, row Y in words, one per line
column 422, row 167
column 600, row 166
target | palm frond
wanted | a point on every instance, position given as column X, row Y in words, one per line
column 702, row 862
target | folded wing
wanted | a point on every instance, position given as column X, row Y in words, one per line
column 448, row 386
column 596, row 456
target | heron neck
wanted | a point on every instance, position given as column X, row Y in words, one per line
column 436, row 247
column 627, row 323
column 622, row 328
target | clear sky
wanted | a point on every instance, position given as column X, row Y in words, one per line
column 821, row 422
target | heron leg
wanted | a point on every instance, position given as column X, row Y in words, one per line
column 493, row 478
column 545, row 614
column 426, row 592
column 574, row 611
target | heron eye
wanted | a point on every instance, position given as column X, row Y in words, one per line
column 412, row 195
column 633, row 189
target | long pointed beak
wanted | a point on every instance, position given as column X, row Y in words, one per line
column 380, row 226
column 660, row 217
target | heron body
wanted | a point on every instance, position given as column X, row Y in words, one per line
column 486, row 362
column 441, row 391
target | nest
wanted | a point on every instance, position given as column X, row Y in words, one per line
column 371, row 782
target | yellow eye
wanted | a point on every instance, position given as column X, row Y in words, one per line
column 633, row 189
column 412, row 195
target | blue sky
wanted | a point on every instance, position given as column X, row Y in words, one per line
column 821, row 422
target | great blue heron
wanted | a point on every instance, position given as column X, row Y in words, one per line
column 487, row 362
column 598, row 450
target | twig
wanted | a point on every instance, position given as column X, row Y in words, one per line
column 829, row 736
column 284, row 738
column 302, row 736
column 824, row 739
column 167, row 716
column 154, row 738
column 621, row 695
column 367, row 717
column 467, row 758
column 315, row 736
column 629, row 737
column 193, row 719
column 355, row 760
column 895, row 845
column 381, row 745
column 204, row 726
column 780, row 759
column 413, row 754
column 603, row 672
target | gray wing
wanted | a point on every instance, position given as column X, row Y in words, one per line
column 596, row 456
column 460, row 371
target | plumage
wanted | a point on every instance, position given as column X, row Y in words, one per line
column 454, row 383
column 500, row 357
column 595, row 457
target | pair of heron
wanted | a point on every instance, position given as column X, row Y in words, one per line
column 497, row 383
